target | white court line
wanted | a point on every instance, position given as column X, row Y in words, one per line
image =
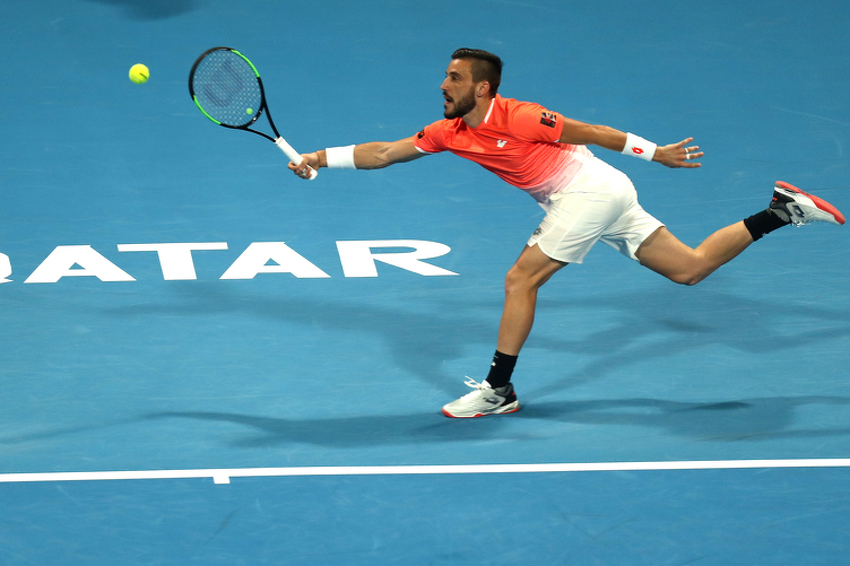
column 223, row 476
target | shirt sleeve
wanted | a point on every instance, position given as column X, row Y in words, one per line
column 532, row 122
column 431, row 138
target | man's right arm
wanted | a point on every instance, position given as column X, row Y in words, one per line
column 371, row 155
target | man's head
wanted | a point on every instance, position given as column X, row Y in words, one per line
column 485, row 66
column 473, row 75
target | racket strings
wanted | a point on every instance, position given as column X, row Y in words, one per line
column 227, row 86
column 227, row 89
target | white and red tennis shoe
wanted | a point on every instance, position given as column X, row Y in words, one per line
column 799, row 207
column 483, row 401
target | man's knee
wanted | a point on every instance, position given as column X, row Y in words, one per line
column 531, row 271
column 663, row 253
column 516, row 280
column 688, row 279
column 688, row 274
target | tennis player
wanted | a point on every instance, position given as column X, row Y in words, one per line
column 586, row 200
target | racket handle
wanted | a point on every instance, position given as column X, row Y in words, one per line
column 293, row 155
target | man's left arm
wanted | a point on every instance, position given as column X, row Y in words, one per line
column 673, row 155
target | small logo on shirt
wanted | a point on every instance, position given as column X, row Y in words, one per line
column 501, row 143
column 548, row 119
column 420, row 135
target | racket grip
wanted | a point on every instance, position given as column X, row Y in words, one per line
column 293, row 155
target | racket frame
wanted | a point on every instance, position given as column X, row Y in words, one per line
column 279, row 141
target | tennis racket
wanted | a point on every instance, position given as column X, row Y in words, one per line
column 228, row 89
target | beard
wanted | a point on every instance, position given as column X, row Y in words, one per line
column 462, row 107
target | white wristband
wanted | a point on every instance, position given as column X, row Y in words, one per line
column 636, row 146
column 340, row 157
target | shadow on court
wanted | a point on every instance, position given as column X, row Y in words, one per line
column 750, row 419
column 417, row 342
column 730, row 421
column 640, row 327
column 757, row 419
column 152, row 9
column 675, row 321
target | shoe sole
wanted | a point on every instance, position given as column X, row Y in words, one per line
column 818, row 202
column 451, row 416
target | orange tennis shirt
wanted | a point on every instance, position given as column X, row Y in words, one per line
column 518, row 141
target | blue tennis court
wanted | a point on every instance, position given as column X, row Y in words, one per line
column 207, row 360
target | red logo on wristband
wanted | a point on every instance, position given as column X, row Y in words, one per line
column 637, row 150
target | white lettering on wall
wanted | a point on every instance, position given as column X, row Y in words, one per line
column 5, row 269
column 255, row 259
column 358, row 258
column 61, row 261
column 174, row 259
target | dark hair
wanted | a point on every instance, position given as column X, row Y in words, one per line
column 485, row 66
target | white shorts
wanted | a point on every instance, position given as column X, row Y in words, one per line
column 600, row 204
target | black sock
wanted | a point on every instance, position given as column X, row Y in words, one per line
column 763, row 223
column 501, row 369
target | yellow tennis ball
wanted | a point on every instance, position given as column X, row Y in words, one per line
column 139, row 73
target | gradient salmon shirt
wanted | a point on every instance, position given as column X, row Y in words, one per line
column 518, row 141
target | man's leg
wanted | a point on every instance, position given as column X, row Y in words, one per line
column 663, row 253
column 496, row 394
column 528, row 274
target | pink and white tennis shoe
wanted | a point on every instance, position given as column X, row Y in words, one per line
column 802, row 208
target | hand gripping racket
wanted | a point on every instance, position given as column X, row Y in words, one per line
column 227, row 88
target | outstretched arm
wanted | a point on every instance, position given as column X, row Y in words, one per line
column 372, row 155
column 673, row 155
